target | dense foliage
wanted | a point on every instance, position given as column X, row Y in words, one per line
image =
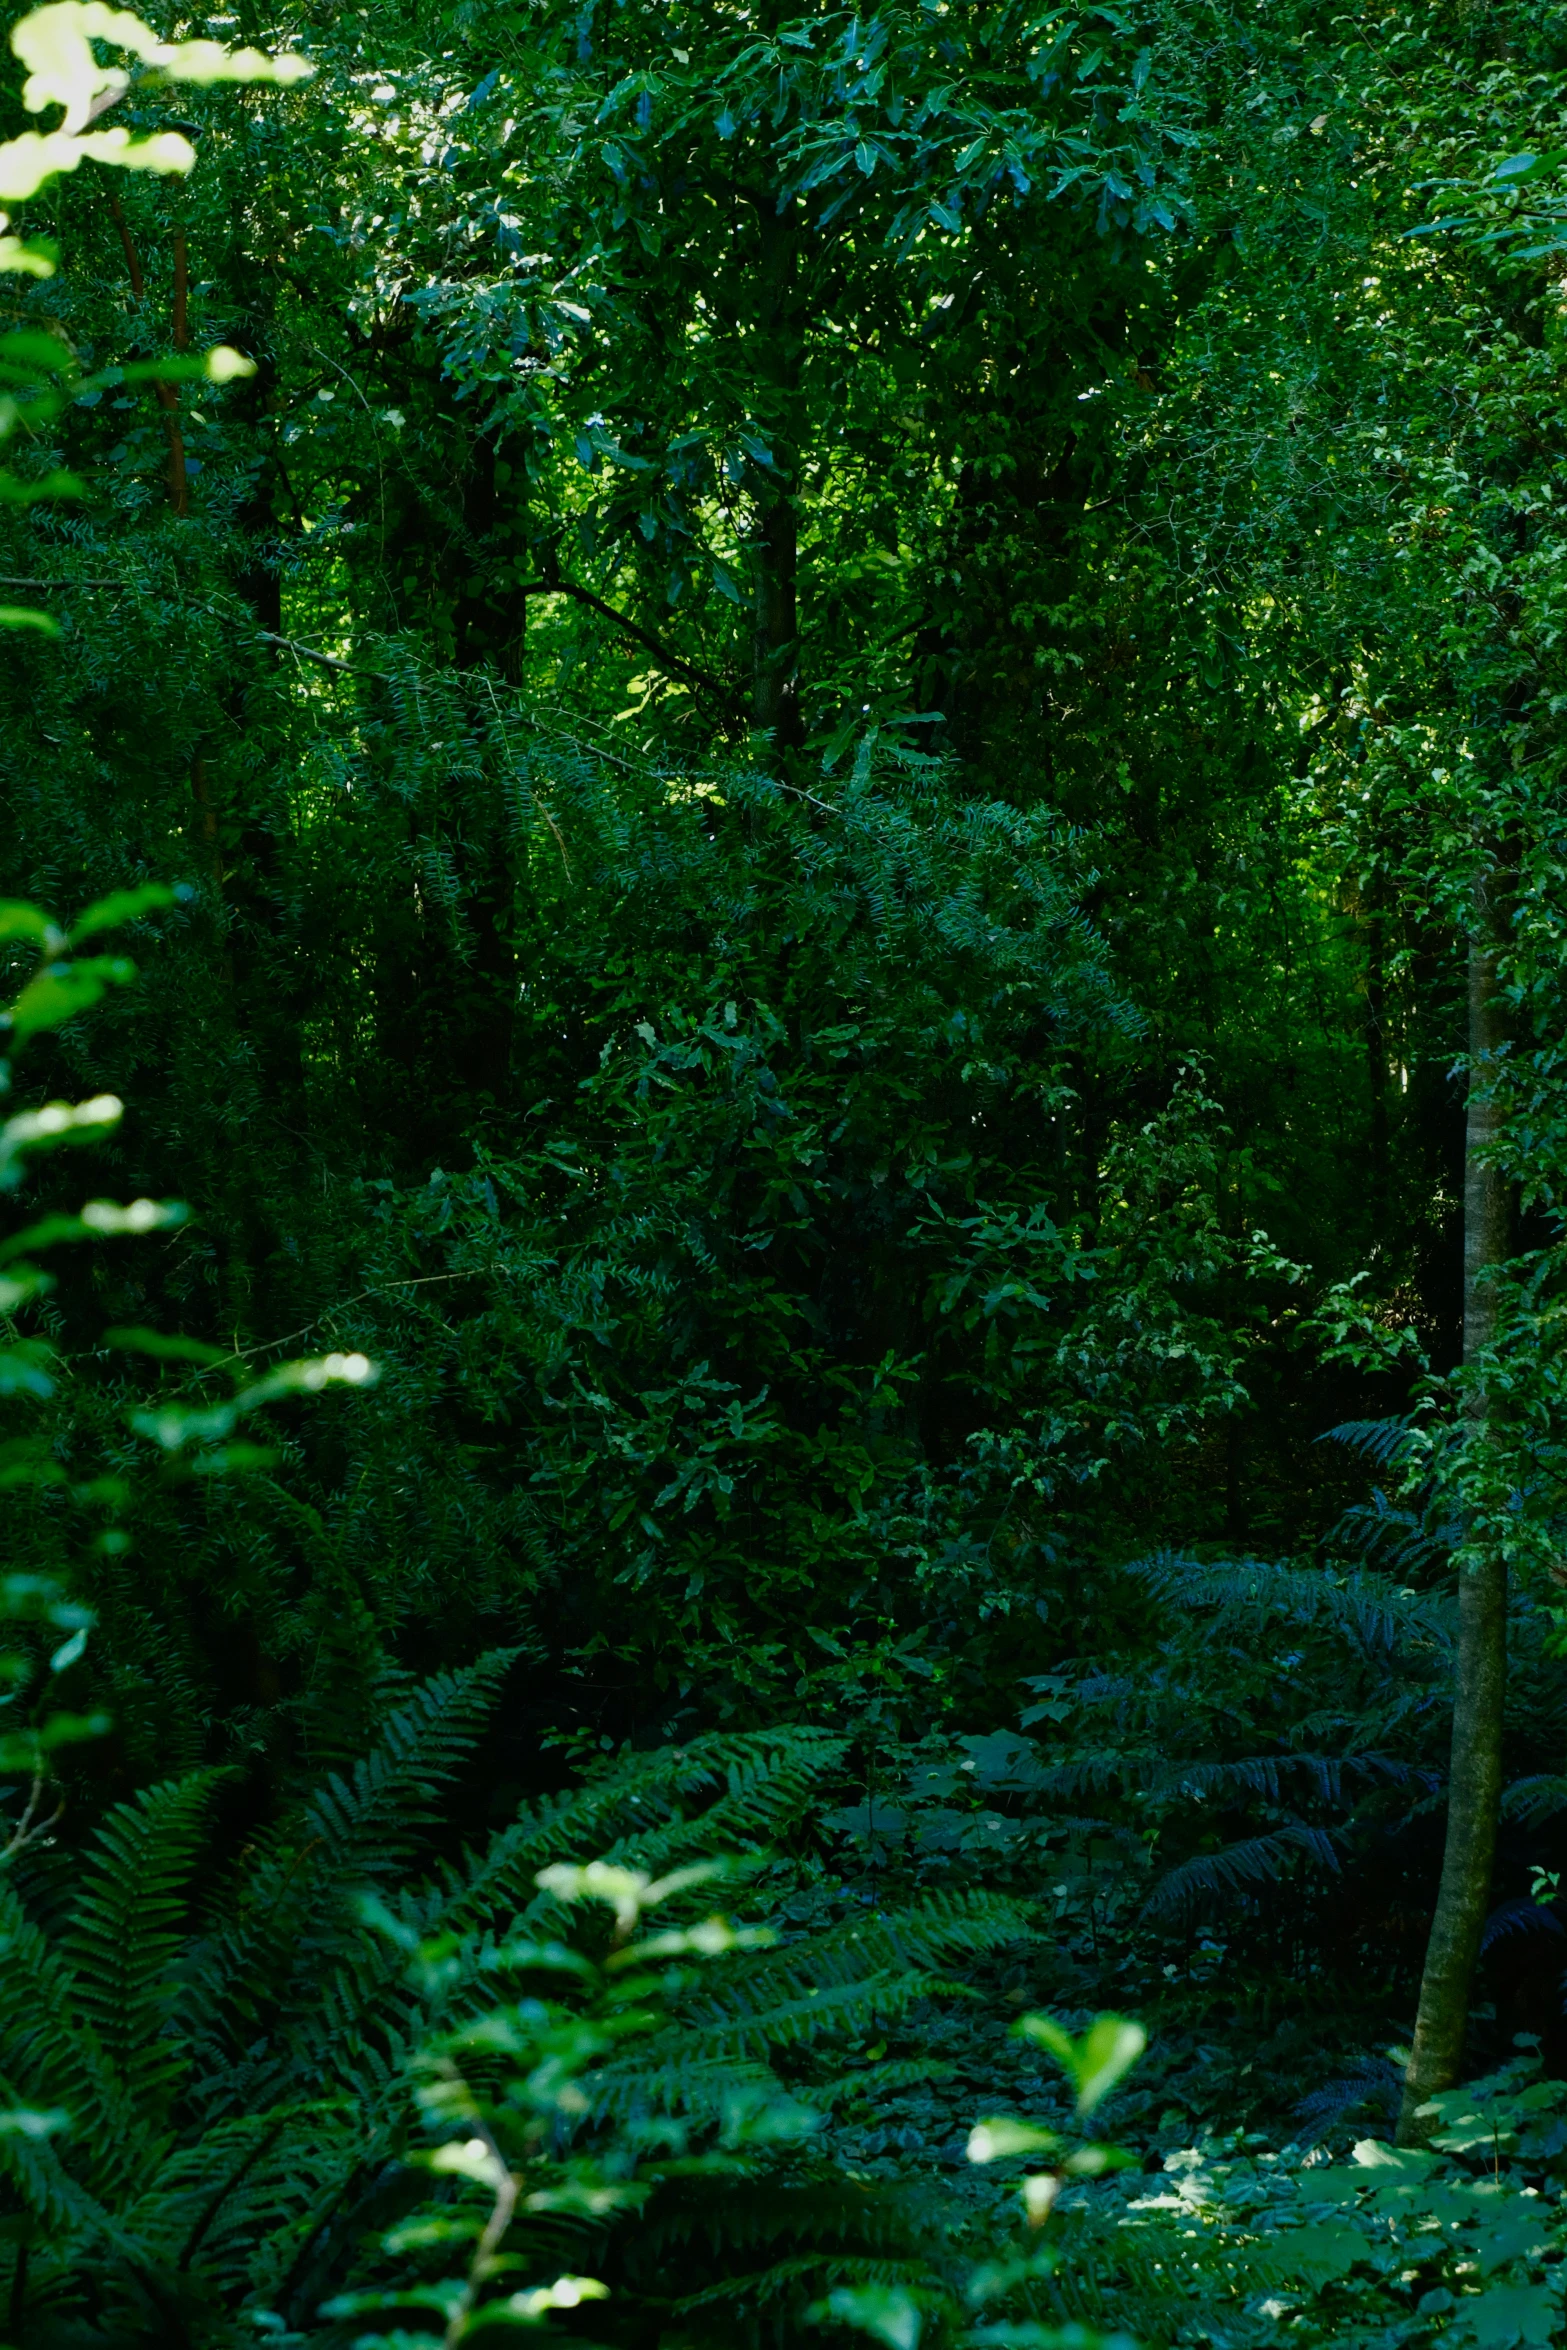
column 815, row 757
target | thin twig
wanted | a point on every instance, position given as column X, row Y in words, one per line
column 29, row 1827
column 507, row 2188
column 308, row 653
column 661, row 653
column 269, row 1345
column 132, row 262
column 798, row 792
column 547, row 587
column 380, row 465
column 573, row 732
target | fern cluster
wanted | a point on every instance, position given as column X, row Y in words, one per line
column 1232, row 1801
column 237, row 2063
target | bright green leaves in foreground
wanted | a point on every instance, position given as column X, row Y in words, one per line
column 62, row 987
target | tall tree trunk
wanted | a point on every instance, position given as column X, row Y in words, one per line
column 775, row 705
column 165, row 394
column 775, row 694
column 1474, row 1784
column 1376, row 1041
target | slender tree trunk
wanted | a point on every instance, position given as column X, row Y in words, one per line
column 1480, row 1680
column 775, row 702
column 1376, row 1058
column 167, row 397
column 206, row 819
column 775, row 707
column 179, row 479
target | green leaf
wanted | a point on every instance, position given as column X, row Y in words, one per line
column 1028, row 2334
column 44, row 353
column 176, row 1425
column 19, row 2121
column 1317, row 2251
column 58, row 484
column 65, row 990
column 56, row 1122
column 100, row 1219
column 20, row 1750
column 56, row 45
column 29, row 256
column 1094, row 2064
column 135, row 1340
column 998, row 2141
column 27, row 1368
column 1506, row 2314
column 531, row 2307
column 19, row 920
column 886, row 2312
column 69, row 1651
column 1518, row 169
column 230, row 1460
column 123, row 905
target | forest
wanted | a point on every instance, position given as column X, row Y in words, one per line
column 783, row 1296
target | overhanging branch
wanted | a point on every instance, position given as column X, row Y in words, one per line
column 703, row 679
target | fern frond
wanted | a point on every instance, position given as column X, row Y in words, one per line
column 1261, row 1774
column 690, row 2083
column 371, row 1825
column 1394, row 1540
column 1536, row 1798
column 1142, row 2279
column 242, row 2184
column 756, row 2024
column 1265, row 1774
column 736, row 1787
column 1374, row 2081
column 47, row 2052
column 749, row 2216
column 882, row 2080
column 820, row 2271
column 290, row 1921
column 35, row 2171
column 1520, row 1916
column 726, row 1793
column 935, row 1931
column 1381, row 1615
column 126, row 1933
column 353, row 1683
column 1374, row 1440
column 1259, row 1860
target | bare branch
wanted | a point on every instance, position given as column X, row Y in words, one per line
column 661, row 653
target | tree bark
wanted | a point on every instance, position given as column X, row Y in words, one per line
column 775, row 695
column 1376, row 1041
column 1474, row 1784
column 167, row 397
column 775, row 702
column 179, row 478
